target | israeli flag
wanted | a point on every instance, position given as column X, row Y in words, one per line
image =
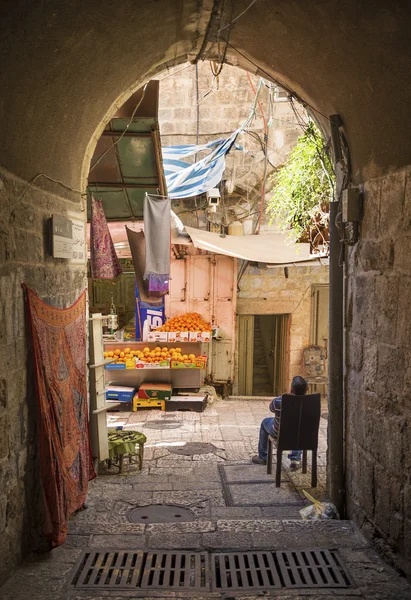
column 185, row 180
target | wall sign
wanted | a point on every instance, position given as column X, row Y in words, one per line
column 79, row 242
column 61, row 237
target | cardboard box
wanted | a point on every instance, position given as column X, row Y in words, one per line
column 182, row 336
column 193, row 403
column 206, row 336
column 201, row 363
column 157, row 336
column 155, row 391
column 163, row 364
column 120, row 393
column 194, row 336
column 173, row 336
column 175, row 364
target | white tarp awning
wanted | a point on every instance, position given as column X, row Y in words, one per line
column 271, row 248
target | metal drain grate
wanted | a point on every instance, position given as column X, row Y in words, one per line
column 176, row 570
column 244, row 571
column 312, row 568
column 125, row 570
column 100, row 569
column 317, row 568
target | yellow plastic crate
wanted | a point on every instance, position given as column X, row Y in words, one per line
column 140, row 403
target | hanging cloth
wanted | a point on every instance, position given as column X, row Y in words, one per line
column 66, row 464
column 137, row 243
column 103, row 257
column 157, row 230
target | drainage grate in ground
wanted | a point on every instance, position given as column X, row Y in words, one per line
column 100, row 569
column 244, row 571
column 160, row 513
column 312, row 568
column 125, row 570
column 317, row 568
column 175, row 570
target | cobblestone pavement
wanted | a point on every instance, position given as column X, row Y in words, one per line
column 234, row 505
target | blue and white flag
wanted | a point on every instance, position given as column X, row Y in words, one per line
column 186, row 180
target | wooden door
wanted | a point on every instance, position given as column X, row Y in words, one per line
column 245, row 354
column 281, row 353
column 319, row 315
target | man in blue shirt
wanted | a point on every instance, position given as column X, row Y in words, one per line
column 271, row 426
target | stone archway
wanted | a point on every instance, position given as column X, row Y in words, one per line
column 64, row 69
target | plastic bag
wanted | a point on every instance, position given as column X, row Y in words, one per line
column 318, row 510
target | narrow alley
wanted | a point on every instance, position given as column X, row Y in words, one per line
column 205, row 232
column 200, row 463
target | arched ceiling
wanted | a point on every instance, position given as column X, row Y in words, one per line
column 64, row 65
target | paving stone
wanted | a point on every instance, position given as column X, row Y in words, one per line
column 152, row 487
column 252, row 526
column 363, row 555
column 228, row 540
column 262, row 494
column 174, row 541
column 188, row 527
column 233, row 512
column 284, row 540
column 76, row 541
column 246, row 473
column 195, row 484
column 36, row 579
column 215, row 497
column 110, row 528
column 282, row 512
column 379, row 581
column 118, row 541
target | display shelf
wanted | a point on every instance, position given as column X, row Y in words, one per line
column 179, row 378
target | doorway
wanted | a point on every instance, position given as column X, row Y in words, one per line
column 262, row 354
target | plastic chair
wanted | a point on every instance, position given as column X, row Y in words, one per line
column 299, row 425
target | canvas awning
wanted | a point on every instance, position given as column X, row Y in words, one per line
column 271, row 248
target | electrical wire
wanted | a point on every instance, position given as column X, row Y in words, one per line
column 123, row 133
column 237, row 17
column 33, row 181
column 271, row 78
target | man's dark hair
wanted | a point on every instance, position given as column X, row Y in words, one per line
column 299, row 386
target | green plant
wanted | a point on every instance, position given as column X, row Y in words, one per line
column 303, row 189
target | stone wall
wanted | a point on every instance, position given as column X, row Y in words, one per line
column 268, row 291
column 223, row 106
column 378, row 369
column 24, row 257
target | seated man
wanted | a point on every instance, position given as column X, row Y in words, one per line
column 271, row 426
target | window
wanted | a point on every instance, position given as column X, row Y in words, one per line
column 280, row 95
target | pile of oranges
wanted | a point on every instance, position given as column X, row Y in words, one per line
column 191, row 321
column 148, row 355
column 122, row 356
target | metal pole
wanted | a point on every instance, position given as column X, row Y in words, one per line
column 336, row 366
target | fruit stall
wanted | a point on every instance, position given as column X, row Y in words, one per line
column 176, row 353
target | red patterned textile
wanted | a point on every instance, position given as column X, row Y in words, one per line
column 59, row 344
column 103, row 258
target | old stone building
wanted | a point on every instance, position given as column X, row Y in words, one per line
column 66, row 66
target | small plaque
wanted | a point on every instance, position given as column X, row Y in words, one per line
column 62, row 237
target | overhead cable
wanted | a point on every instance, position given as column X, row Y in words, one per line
column 237, row 17
column 123, row 133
